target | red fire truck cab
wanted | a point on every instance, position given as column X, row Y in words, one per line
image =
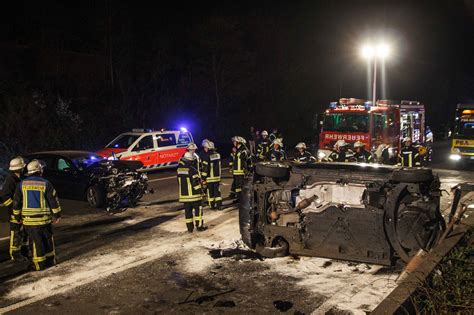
column 386, row 122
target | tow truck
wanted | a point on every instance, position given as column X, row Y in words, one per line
column 462, row 144
column 386, row 122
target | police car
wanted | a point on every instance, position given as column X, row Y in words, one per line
column 155, row 149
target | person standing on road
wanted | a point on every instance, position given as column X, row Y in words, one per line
column 276, row 153
column 361, row 155
column 36, row 205
column 409, row 155
column 240, row 166
column 18, row 238
column 303, row 156
column 211, row 174
column 190, row 192
column 263, row 146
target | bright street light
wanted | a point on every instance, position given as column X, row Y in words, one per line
column 374, row 52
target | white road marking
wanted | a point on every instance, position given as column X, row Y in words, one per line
column 171, row 177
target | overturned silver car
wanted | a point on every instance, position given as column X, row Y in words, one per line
column 367, row 213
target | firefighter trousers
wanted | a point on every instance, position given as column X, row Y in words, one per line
column 236, row 187
column 41, row 245
column 193, row 212
column 214, row 195
column 18, row 242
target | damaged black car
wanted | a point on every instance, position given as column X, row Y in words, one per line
column 367, row 213
column 81, row 175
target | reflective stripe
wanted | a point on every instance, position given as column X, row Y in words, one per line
column 56, row 210
column 238, row 190
column 8, row 202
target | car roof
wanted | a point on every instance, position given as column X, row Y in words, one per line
column 151, row 132
column 66, row 153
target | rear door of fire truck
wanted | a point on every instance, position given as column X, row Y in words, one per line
column 412, row 121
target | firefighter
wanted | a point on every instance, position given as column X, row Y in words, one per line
column 190, row 192
column 36, row 205
column 240, row 166
column 18, row 239
column 192, row 147
column 303, row 156
column 276, row 153
column 211, row 174
column 409, row 155
column 263, row 146
column 340, row 152
column 361, row 155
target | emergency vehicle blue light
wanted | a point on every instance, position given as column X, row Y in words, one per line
column 183, row 129
column 93, row 158
column 367, row 105
column 332, row 105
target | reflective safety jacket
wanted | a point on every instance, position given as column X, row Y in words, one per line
column 410, row 157
column 6, row 195
column 276, row 155
column 36, row 202
column 363, row 156
column 306, row 157
column 211, row 166
column 241, row 161
column 263, row 147
column 189, row 181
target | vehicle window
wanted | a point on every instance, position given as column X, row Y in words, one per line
column 380, row 122
column 123, row 142
column 63, row 164
column 166, row 140
column 346, row 122
column 184, row 138
column 84, row 162
column 144, row 144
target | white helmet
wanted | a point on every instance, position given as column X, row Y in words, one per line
column 17, row 164
column 407, row 139
column 358, row 144
column 341, row 143
column 211, row 145
column 264, row 133
column 34, row 166
column 206, row 143
column 239, row 139
column 191, row 146
column 301, row 145
column 278, row 141
column 189, row 156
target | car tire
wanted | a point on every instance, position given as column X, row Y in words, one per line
column 272, row 169
column 95, row 196
column 280, row 248
column 412, row 175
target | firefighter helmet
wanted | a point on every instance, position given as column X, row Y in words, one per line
column 34, row 166
column 358, row 144
column 264, row 133
column 211, row 145
column 189, row 156
column 191, row 146
column 239, row 140
column 407, row 139
column 278, row 141
column 17, row 164
column 341, row 143
column 301, row 145
column 206, row 143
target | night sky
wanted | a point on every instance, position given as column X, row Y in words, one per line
column 221, row 66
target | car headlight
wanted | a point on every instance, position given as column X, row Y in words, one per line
column 456, row 150
column 321, row 155
column 455, row 157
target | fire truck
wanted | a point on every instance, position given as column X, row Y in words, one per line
column 462, row 146
column 386, row 122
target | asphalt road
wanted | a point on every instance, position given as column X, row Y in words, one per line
column 142, row 261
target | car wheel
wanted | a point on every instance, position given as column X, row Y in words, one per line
column 272, row 169
column 412, row 175
column 95, row 196
column 280, row 248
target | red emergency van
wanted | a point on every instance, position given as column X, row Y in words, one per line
column 155, row 149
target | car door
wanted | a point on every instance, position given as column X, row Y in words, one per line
column 168, row 151
column 70, row 181
column 144, row 151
